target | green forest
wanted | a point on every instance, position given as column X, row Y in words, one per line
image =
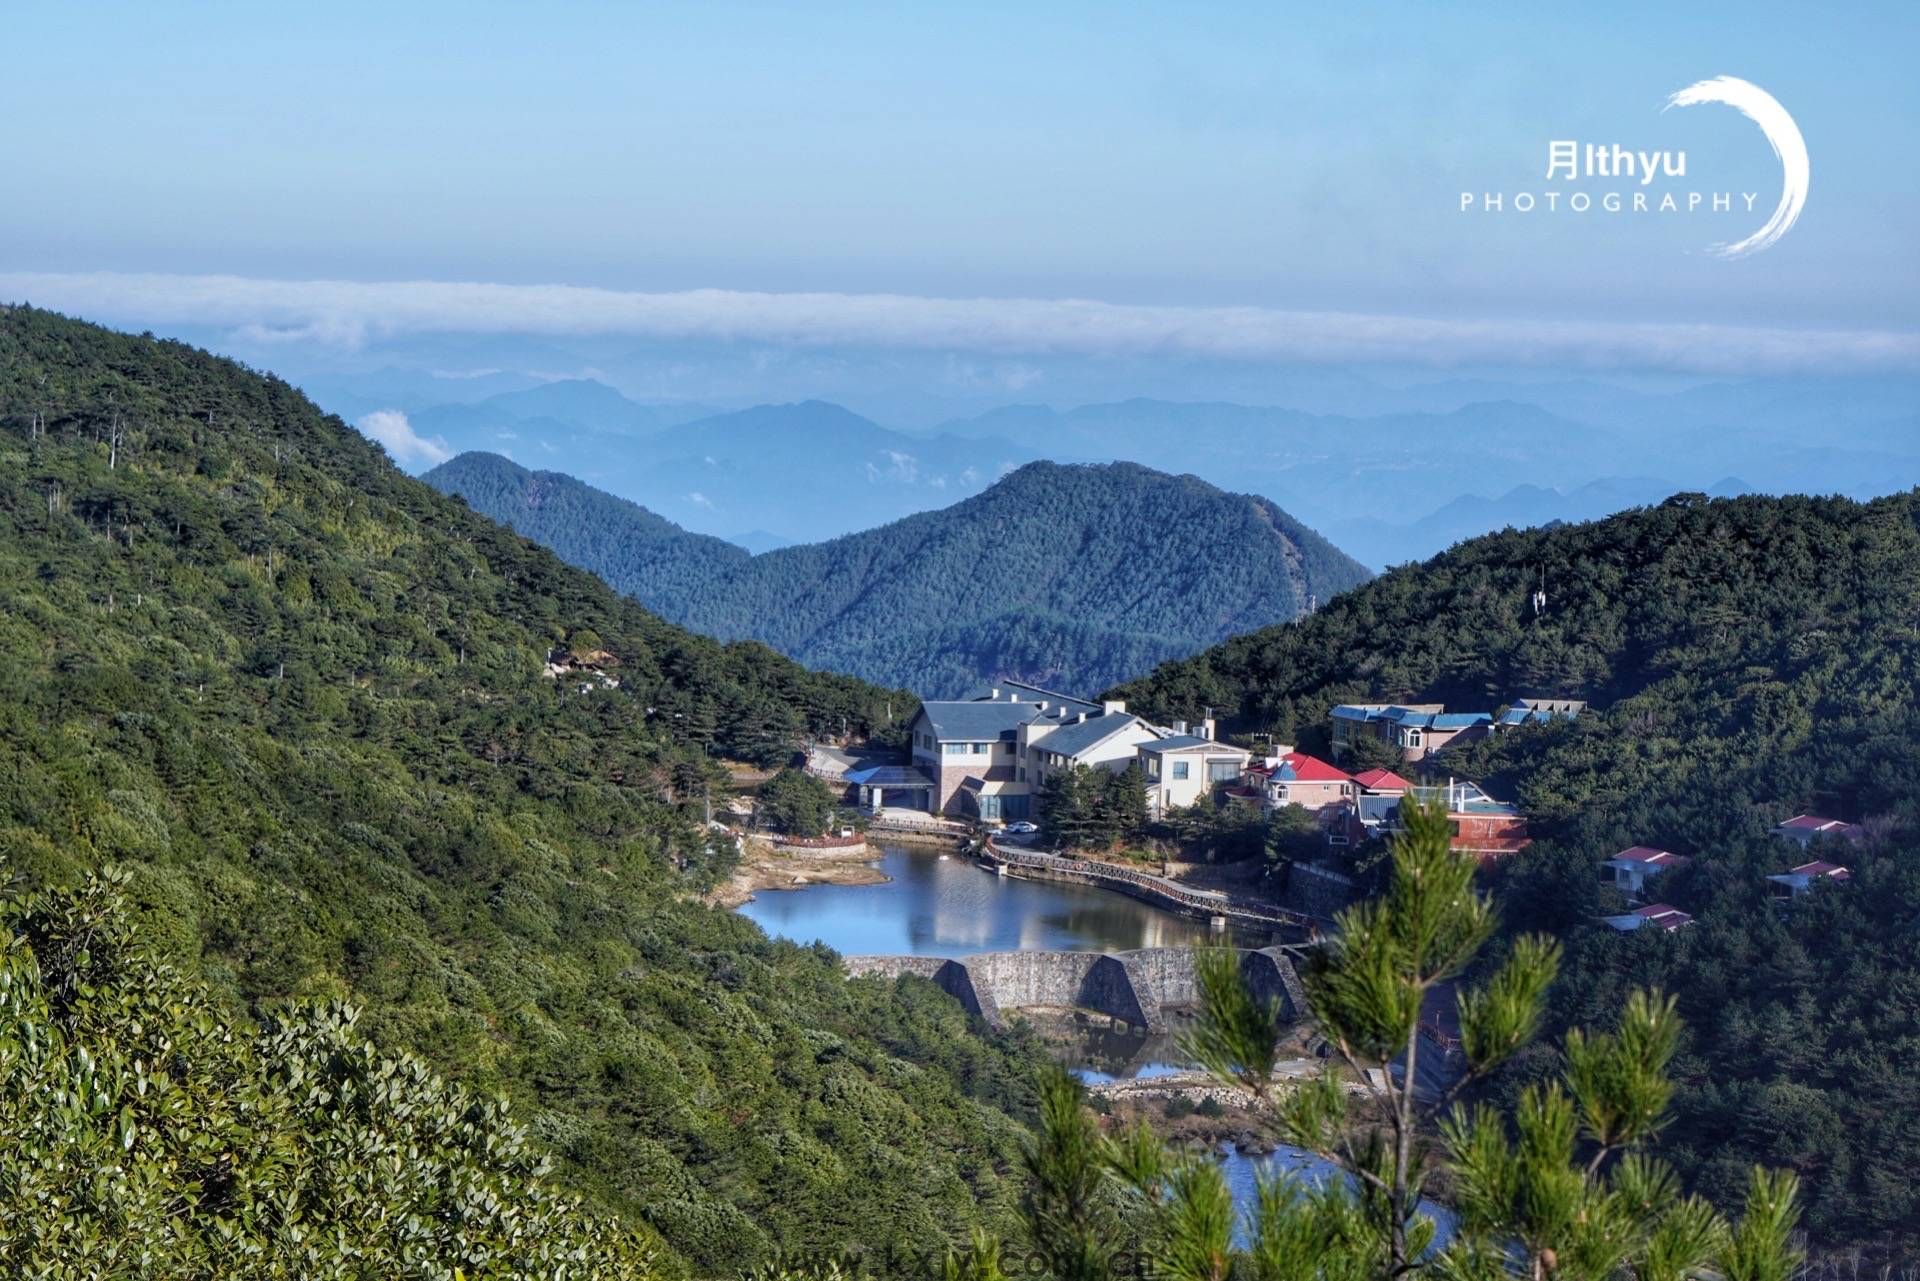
column 298, row 701
column 1071, row 576
column 1748, row 659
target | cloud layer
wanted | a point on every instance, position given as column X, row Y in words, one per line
column 351, row 312
column 403, row 444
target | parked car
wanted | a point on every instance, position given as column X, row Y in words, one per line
column 1022, row 828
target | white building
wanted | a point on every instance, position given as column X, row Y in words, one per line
column 1183, row 767
column 1630, row 870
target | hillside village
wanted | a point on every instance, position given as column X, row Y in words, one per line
column 993, row 764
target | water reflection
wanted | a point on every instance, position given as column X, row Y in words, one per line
column 950, row 907
column 1102, row 1055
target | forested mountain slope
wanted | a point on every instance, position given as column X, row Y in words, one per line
column 1749, row 659
column 1067, row 574
column 300, row 698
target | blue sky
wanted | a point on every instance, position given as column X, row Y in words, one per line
column 1257, row 156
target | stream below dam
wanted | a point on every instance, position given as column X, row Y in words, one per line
column 947, row 906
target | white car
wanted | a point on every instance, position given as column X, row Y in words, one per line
column 1022, row 828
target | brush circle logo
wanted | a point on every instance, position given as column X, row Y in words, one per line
column 1639, row 181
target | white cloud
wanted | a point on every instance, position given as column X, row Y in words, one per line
column 902, row 468
column 699, row 499
column 348, row 313
column 404, row 445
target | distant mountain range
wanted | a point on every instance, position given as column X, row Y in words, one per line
column 1078, row 575
column 769, row 476
column 1389, row 487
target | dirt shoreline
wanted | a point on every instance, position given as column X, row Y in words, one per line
column 762, row 867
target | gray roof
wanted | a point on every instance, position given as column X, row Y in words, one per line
column 890, row 776
column 1187, row 743
column 980, row 720
column 1077, row 737
column 1035, row 694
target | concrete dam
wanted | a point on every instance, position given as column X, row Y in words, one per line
column 1137, row 987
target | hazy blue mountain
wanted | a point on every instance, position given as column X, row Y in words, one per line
column 1380, row 543
column 1080, row 575
column 356, row 393
column 812, row 470
column 595, row 406
column 572, row 419
column 1389, row 484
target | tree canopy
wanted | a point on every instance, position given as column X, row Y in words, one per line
column 1746, row 660
column 1077, row 576
column 301, row 700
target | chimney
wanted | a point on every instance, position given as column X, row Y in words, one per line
column 1206, row 729
column 1180, row 728
column 1114, row 707
column 994, row 693
column 1043, row 704
column 1083, row 718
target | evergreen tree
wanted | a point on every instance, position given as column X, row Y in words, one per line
column 1562, row 1190
column 144, row 1132
column 796, row 803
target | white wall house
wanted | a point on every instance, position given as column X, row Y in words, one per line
column 1630, row 870
column 987, row 757
column 1184, row 767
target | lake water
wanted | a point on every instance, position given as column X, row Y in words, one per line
column 932, row 906
column 951, row 907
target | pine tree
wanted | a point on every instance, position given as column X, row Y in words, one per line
column 1562, row 1190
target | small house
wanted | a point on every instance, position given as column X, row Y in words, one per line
column 1794, row 882
column 1657, row 916
column 1631, row 869
column 1804, row 829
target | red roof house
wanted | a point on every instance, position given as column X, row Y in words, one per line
column 1307, row 781
column 1796, row 881
column 1381, row 782
column 1802, row 829
column 1658, row 916
column 1631, row 869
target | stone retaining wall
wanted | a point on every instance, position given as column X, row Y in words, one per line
column 1137, row 987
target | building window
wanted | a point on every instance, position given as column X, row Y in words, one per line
column 1180, row 770
column 1222, row 771
column 956, row 749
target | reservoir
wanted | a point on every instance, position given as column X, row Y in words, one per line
column 932, row 906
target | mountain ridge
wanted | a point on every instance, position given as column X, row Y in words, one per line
column 1744, row 660
column 305, row 704
column 1032, row 578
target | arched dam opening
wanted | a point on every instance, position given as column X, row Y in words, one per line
column 1139, row 988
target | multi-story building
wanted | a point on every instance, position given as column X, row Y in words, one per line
column 1182, row 766
column 986, row 757
column 1418, row 730
column 1481, row 826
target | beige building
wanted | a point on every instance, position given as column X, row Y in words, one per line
column 1183, row 767
column 986, row 757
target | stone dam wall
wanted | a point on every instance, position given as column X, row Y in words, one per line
column 1138, row 987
